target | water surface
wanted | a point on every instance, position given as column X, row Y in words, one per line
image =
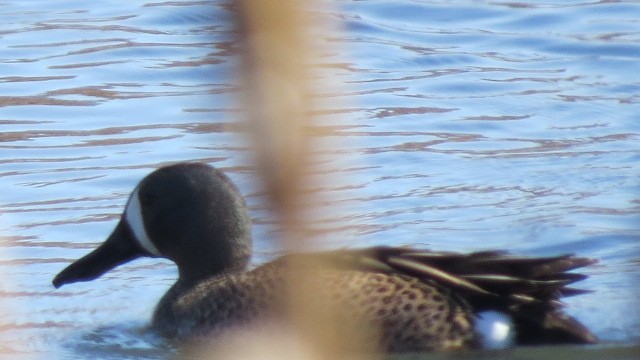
column 460, row 126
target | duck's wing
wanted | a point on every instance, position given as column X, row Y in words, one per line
column 527, row 288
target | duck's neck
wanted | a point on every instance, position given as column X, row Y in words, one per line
column 211, row 255
column 197, row 271
column 166, row 321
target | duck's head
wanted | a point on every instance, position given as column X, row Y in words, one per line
column 190, row 213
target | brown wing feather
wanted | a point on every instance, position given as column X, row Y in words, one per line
column 528, row 288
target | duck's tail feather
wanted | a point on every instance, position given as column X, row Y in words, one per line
column 529, row 289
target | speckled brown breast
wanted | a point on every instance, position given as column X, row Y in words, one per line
column 410, row 314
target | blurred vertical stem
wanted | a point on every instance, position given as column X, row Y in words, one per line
column 275, row 59
column 275, row 76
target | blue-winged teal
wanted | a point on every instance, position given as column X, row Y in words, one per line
column 193, row 215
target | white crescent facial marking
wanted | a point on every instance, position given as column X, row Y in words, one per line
column 133, row 217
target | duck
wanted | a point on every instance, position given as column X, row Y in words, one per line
column 420, row 300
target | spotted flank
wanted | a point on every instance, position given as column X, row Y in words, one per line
column 401, row 298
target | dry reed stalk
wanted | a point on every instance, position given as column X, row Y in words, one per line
column 276, row 74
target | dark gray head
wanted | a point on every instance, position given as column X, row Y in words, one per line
column 190, row 213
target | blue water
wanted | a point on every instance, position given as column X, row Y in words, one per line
column 461, row 126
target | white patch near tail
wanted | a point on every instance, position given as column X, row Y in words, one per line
column 133, row 217
column 496, row 330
